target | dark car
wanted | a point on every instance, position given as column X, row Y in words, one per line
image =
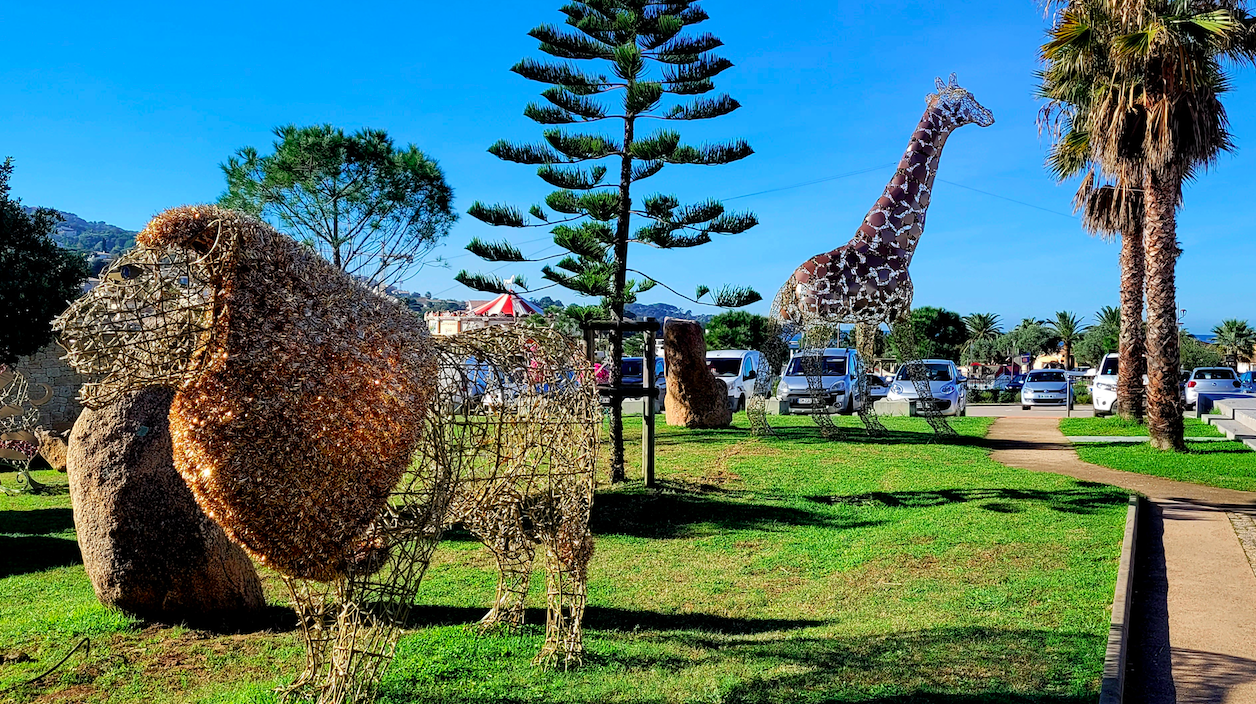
column 633, row 370
column 1016, row 383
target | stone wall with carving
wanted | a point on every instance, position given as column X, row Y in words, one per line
column 48, row 374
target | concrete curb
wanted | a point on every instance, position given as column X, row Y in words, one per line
column 1112, row 691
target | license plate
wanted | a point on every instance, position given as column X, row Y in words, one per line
column 804, row 401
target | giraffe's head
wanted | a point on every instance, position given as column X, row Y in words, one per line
column 959, row 105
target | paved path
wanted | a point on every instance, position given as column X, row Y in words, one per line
column 1193, row 636
column 1014, row 410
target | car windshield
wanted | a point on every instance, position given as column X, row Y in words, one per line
column 1046, row 376
column 630, row 367
column 1018, row 379
column 933, row 372
column 1111, row 367
column 833, row 366
column 727, row 366
column 1214, row 374
column 874, row 380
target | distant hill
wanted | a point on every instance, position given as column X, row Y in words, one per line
column 78, row 234
column 659, row 311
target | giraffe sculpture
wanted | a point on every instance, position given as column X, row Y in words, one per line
column 866, row 281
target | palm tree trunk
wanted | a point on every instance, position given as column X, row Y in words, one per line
column 1130, row 403
column 1164, row 405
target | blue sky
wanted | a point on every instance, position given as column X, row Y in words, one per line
column 118, row 111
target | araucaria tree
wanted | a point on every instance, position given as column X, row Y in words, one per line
column 627, row 63
column 40, row 279
column 375, row 210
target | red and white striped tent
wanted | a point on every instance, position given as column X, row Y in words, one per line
column 508, row 304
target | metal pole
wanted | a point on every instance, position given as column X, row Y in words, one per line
column 647, row 416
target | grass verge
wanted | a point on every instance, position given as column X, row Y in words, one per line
column 1117, row 426
column 1228, row 465
column 786, row 569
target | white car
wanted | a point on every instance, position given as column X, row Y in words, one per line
column 1045, row 387
column 1103, row 390
column 948, row 388
column 839, row 366
column 1211, row 380
column 738, row 370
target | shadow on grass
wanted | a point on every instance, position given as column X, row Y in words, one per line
column 1086, row 498
column 37, row 522
column 942, row 666
column 36, row 553
column 673, row 514
column 610, row 619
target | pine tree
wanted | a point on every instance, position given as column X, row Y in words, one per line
column 656, row 71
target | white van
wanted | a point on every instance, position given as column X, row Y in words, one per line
column 1103, row 388
column 737, row 369
column 839, row 377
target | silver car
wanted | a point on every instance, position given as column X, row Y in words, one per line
column 1211, row 380
column 838, row 368
column 948, row 388
column 1045, row 387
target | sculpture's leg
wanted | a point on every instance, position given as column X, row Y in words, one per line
column 314, row 604
column 865, row 344
column 903, row 336
column 373, row 611
column 566, row 580
column 514, row 553
column 771, row 357
column 815, row 338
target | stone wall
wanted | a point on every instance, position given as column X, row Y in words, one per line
column 46, row 367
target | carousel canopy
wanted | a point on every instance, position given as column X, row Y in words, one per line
column 508, row 304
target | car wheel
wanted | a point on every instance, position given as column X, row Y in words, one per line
column 741, row 403
column 1024, row 407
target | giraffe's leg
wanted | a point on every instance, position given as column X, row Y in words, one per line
column 815, row 338
column 905, row 343
column 865, row 344
column 772, row 354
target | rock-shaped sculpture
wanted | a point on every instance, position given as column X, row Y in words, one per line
column 147, row 547
column 696, row 398
column 53, row 448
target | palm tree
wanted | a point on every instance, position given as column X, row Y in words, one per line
column 982, row 327
column 1069, row 329
column 1235, row 337
column 1141, row 80
column 1108, row 315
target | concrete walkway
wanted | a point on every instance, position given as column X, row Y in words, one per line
column 1193, row 634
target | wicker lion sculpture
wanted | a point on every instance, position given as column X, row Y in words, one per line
column 326, row 431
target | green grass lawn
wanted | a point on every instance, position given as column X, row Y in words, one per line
column 1115, row 425
column 787, row 569
column 1229, row 465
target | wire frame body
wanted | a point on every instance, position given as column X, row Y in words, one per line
column 508, row 453
column 18, row 418
column 328, row 434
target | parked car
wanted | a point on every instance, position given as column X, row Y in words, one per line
column 1009, row 383
column 948, row 388
column 1248, row 381
column 1216, row 380
column 878, row 388
column 1103, row 390
column 1045, row 387
column 738, row 369
column 632, row 369
column 838, row 368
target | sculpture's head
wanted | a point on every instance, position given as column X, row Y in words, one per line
column 142, row 324
column 959, row 105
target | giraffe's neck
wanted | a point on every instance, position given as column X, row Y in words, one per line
column 893, row 227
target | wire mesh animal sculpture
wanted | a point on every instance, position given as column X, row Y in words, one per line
column 866, row 282
column 18, row 418
column 320, row 425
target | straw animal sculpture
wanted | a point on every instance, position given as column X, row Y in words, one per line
column 18, row 418
column 323, row 428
